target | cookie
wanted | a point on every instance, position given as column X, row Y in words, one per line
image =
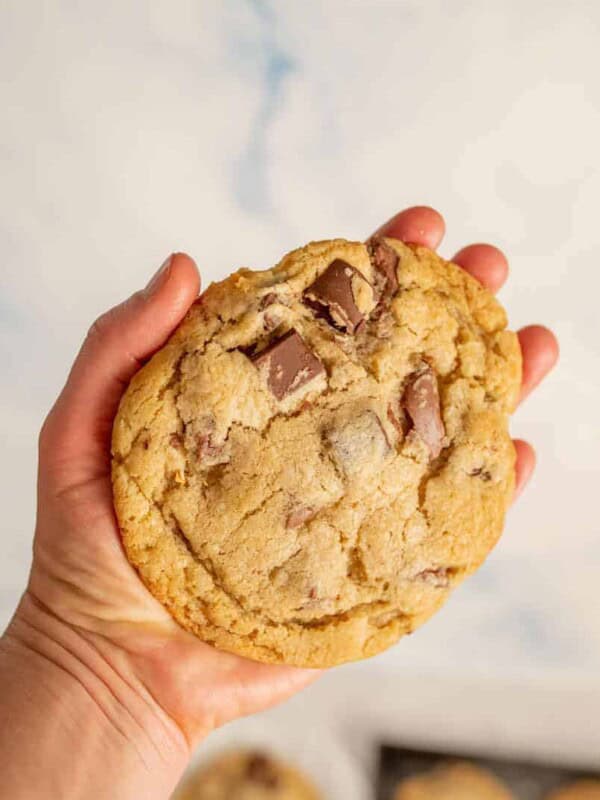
column 320, row 453
column 246, row 776
column 458, row 781
column 585, row 789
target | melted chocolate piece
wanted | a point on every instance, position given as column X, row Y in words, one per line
column 176, row 440
column 422, row 403
column 361, row 442
column 385, row 261
column 270, row 320
column 268, row 300
column 288, row 364
column 331, row 296
column 260, row 769
column 206, row 448
column 481, row 473
column 397, row 418
column 298, row 516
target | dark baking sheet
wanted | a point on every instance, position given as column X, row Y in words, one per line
column 527, row 780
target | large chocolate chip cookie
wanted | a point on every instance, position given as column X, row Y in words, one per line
column 320, row 453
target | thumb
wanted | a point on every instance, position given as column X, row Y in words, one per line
column 74, row 442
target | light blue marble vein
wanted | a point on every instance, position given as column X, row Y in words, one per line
column 250, row 170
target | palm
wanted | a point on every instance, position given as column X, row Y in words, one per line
column 82, row 575
column 80, row 572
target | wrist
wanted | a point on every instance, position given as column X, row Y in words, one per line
column 93, row 725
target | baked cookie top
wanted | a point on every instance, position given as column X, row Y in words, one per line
column 320, row 452
column 458, row 781
column 246, row 775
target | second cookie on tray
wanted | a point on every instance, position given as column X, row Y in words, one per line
column 320, row 453
column 458, row 781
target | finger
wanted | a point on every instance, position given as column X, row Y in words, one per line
column 418, row 225
column 540, row 351
column 485, row 263
column 266, row 685
column 525, row 464
column 78, row 427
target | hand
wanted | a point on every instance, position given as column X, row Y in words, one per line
column 84, row 600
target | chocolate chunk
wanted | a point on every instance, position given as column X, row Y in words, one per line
column 385, row 261
column 357, row 571
column 287, row 364
column 481, row 473
column 271, row 319
column 298, row 516
column 175, row 440
column 210, row 447
column 397, row 417
column 422, row 403
column 261, row 770
column 206, row 448
column 332, row 296
column 268, row 300
column 359, row 444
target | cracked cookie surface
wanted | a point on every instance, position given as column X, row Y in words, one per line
column 246, row 775
column 320, row 452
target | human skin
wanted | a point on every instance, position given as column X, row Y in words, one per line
column 100, row 689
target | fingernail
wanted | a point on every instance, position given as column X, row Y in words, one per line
column 159, row 277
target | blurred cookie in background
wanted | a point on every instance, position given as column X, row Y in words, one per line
column 586, row 789
column 246, row 775
column 455, row 781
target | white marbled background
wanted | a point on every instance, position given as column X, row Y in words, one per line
column 238, row 129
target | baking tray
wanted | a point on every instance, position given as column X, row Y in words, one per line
column 527, row 780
